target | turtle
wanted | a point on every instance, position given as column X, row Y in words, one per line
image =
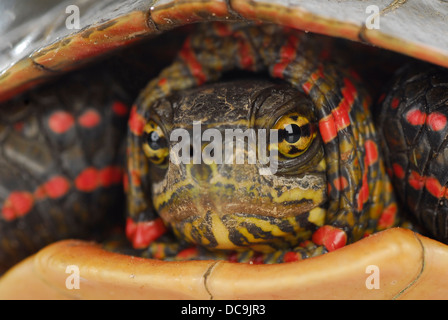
column 70, row 114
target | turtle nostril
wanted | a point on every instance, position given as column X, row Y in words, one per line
column 201, row 172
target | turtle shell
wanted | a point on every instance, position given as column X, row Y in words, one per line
column 30, row 55
column 37, row 46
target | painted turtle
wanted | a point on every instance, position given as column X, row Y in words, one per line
column 62, row 159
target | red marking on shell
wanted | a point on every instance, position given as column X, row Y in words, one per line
column 87, row 180
column 56, row 187
column 306, row 243
column 398, row 171
column 125, row 182
column 244, row 52
column 162, row 82
column 120, row 109
column 141, row 234
column 416, row 180
column 340, row 183
column 349, row 93
column 318, row 74
column 60, row 122
column 287, row 54
column 233, row 257
column 291, row 256
column 18, row 204
column 89, row 119
column 307, row 86
column 415, row 117
column 111, row 175
column 341, row 118
column 159, row 252
column 188, row 55
column 18, row 126
column 135, row 176
column 371, row 152
column 366, row 234
column 330, row 237
column 136, row 122
column 257, row 258
column 222, row 29
column 327, row 128
column 387, row 218
column 434, row 187
column 189, row 253
column 40, row 193
column 91, row 178
column 436, row 121
column 363, row 194
column 395, row 103
column 325, row 54
column 341, row 115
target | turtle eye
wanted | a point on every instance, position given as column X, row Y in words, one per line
column 155, row 144
column 295, row 134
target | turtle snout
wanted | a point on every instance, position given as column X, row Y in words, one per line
column 200, row 173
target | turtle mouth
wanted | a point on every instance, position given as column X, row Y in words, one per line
column 228, row 217
column 242, row 231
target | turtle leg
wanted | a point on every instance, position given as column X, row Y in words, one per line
column 172, row 250
column 361, row 199
column 412, row 119
column 61, row 164
column 361, row 196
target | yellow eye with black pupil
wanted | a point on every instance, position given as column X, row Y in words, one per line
column 295, row 134
column 155, row 145
column 291, row 133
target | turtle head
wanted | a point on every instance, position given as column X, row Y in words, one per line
column 236, row 164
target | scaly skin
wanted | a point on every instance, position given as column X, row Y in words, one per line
column 355, row 197
column 413, row 125
column 62, row 152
